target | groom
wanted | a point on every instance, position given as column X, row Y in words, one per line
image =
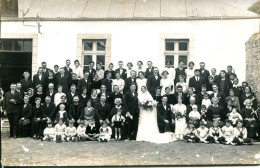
column 132, row 114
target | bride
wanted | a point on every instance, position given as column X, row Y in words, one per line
column 147, row 128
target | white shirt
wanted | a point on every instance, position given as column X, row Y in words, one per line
column 57, row 98
column 60, row 129
column 70, row 131
column 194, row 115
column 79, row 72
column 140, row 82
column 81, row 130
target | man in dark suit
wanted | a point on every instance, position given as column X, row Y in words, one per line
column 49, row 111
column 91, row 70
column 71, row 94
column 103, row 110
column 149, row 70
column 108, row 82
column 51, row 92
column 129, row 81
column 45, row 70
column 121, row 70
column 63, row 80
column 165, row 117
column 39, row 78
column 203, row 72
column 132, row 112
column 180, row 94
column 67, row 69
column 214, row 74
column 219, row 95
column 12, row 107
column 153, row 81
column 85, row 82
column 75, row 110
column 196, row 81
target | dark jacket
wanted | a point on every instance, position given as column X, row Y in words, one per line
column 73, row 113
column 37, row 81
column 108, row 84
column 196, row 84
column 47, row 93
column 26, row 84
column 131, row 103
column 49, row 111
column 123, row 75
column 148, row 72
column 82, row 83
column 205, row 74
column 163, row 114
column 103, row 111
column 11, row 107
column 64, row 82
column 128, row 82
column 27, row 112
column 152, row 84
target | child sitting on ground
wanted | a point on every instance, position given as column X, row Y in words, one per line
column 92, row 131
column 240, row 133
column 202, row 132
column 105, row 132
column 214, row 133
column 71, row 132
column 48, row 132
column 117, row 122
column 60, row 131
column 194, row 116
column 190, row 133
column 62, row 114
column 227, row 133
column 206, row 101
column 81, row 131
column 234, row 116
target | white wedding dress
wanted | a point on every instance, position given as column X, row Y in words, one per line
column 148, row 128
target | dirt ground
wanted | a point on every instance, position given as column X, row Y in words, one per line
column 26, row 151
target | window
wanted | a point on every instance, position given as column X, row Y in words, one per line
column 16, row 45
column 9, row 8
column 94, row 50
column 176, row 50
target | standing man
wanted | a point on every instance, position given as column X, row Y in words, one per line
column 108, row 82
column 132, row 112
column 85, row 83
column 45, row 70
column 63, row 80
column 149, row 70
column 121, row 70
column 39, row 79
column 203, row 72
column 153, row 81
column 130, row 80
column 67, row 69
column 12, row 106
column 179, row 71
column 91, row 70
column 197, row 81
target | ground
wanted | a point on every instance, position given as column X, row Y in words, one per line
column 26, row 151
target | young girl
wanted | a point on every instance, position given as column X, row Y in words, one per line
column 240, row 133
column 48, row 132
column 180, row 121
column 182, row 83
column 228, row 133
column 250, row 116
column 117, row 122
column 202, row 133
column 62, row 115
column 60, row 131
column 234, row 116
column 214, row 133
column 190, row 133
column 92, row 131
column 206, row 101
column 105, row 132
column 71, row 132
column 194, row 116
column 81, row 131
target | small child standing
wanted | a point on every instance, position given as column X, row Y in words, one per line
column 117, row 122
column 180, row 126
column 62, row 114
column 48, row 132
column 228, row 133
column 202, row 133
column 203, row 115
column 190, row 133
column 206, row 101
column 240, row 133
column 194, row 116
column 60, row 131
column 71, row 132
column 234, row 116
column 105, row 132
column 81, row 131
column 214, row 133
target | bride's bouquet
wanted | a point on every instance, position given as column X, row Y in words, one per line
column 146, row 104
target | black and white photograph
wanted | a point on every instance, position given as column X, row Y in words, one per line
column 130, row 82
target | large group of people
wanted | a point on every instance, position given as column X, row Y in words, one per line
column 189, row 104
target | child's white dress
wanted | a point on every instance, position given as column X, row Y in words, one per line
column 203, row 133
column 180, row 126
column 71, row 131
column 205, row 102
column 228, row 132
column 234, row 117
column 48, row 132
column 105, row 133
column 81, row 131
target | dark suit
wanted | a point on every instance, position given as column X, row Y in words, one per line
column 46, row 72
column 49, row 111
column 128, row 82
column 108, row 84
column 179, row 72
column 123, row 75
column 70, row 97
column 103, row 111
column 82, row 83
column 13, row 110
column 131, row 106
column 26, row 84
column 205, row 75
column 37, row 81
column 75, row 112
column 196, row 84
column 48, row 93
column 112, row 73
column 183, row 96
column 152, row 84
column 164, row 114
column 64, row 82
column 68, row 71
column 24, row 128
column 91, row 73
column 227, row 85
column 221, row 98
column 148, row 72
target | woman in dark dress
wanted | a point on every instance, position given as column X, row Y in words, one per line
column 24, row 127
column 26, row 83
column 94, row 97
column 224, row 84
column 37, row 118
column 157, row 97
column 228, row 108
column 74, row 80
column 83, row 97
column 51, row 79
column 215, row 113
column 116, row 94
column 39, row 93
column 30, row 93
column 248, row 95
column 110, row 69
column 96, row 83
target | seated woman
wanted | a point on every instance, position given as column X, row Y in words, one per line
column 248, row 95
column 215, row 112
column 24, row 127
column 83, row 97
column 94, row 97
column 234, row 99
column 89, row 114
column 37, row 118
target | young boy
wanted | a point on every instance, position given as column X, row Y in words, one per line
column 240, row 133
column 48, row 132
column 202, row 132
column 117, row 122
column 234, row 116
column 92, row 131
column 190, row 133
column 81, row 131
column 206, row 101
column 71, row 132
column 214, row 133
column 60, row 131
column 228, row 133
column 105, row 132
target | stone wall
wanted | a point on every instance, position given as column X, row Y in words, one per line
column 253, row 63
